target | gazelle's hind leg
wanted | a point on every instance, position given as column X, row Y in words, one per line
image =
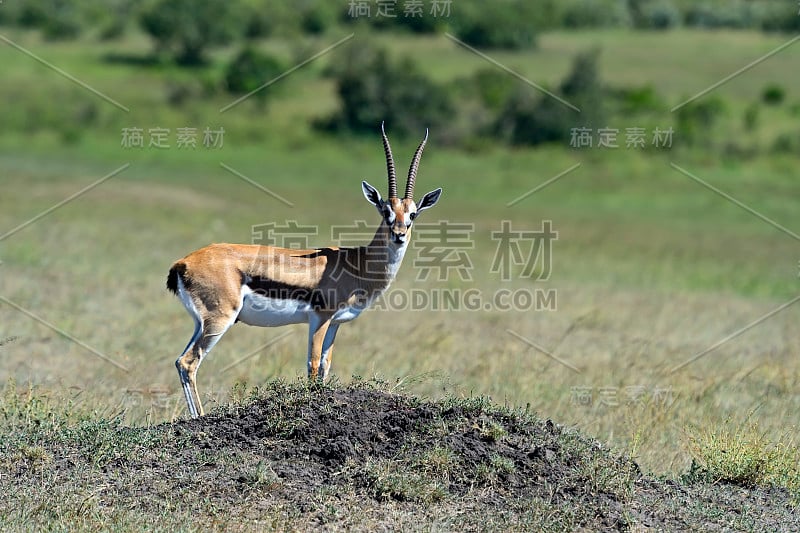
column 179, row 363
column 213, row 329
column 208, row 329
column 187, row 379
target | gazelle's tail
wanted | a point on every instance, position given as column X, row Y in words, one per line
column 178, row 269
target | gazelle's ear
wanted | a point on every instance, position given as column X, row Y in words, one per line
column 429, row 200
column 372, row 195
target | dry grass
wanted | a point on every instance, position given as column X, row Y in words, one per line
column 744, row 454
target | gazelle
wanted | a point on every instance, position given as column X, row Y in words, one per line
column 268, row 286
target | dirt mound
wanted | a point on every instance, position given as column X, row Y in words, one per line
column 347, row 436
column 363, row 457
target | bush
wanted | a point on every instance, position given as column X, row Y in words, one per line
column 507, row 25
column 426, row 23
column 62, row 27
column 373, row 88
column 113, row 30
column 594, row 14
column 317, row 17
column 58, row 19
column 249, row 70
column 787, row 143
column 32, row 14
column 782, row 16
column 186, row 29
column 531, row 119
column 696, row 119
column 751, row 117
column 642, row 99
column 657, row 14
column 773, row 94
column 493, row 87
column 722, row 14
column 112, row 17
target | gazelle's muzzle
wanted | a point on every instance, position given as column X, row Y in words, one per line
column 398, row 231
column 398, row 238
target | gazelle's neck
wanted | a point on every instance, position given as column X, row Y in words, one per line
column 383, row 251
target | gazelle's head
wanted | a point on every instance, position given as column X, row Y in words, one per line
column 399, row 214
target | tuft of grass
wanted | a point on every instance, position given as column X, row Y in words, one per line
column 30, row 457
column 31, row 411
column 261, row 476
column 393, row 480
column 492, row 472
column 492, row 431
column 418, row 477
column 437, row 462
column 743, row 454
column 598, row 469
column 105, row 441
column 8, row 340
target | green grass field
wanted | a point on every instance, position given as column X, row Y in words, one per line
column 650, row 267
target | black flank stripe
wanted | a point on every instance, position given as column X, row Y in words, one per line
column 283, row 291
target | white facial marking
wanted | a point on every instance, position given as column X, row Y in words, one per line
column 388, row 213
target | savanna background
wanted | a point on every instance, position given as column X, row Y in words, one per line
column 675, row 273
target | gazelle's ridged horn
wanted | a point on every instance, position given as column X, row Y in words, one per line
column 389, row 165
column 412, row 170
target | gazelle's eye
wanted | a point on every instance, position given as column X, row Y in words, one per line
column 412, row 216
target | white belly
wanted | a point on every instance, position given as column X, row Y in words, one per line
column 258, row 310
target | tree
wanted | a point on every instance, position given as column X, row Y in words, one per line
column 186, row 28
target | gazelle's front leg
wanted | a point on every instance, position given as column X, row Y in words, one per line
column 317, row 330
column 327, row 351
